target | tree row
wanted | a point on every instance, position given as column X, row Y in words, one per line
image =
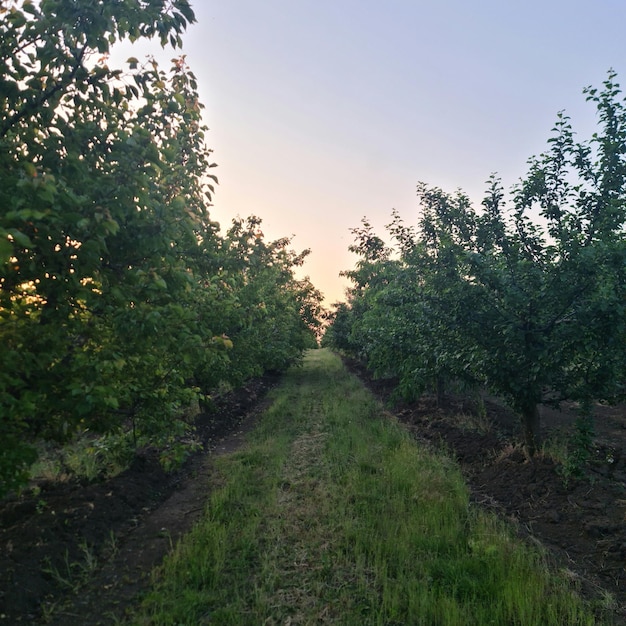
column 524, row 295
column 121, row 301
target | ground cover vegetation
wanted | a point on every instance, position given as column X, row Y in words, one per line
column 121, row 301
column 523, row 296
column 333, row 514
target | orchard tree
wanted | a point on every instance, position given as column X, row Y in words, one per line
column 277, row 314
column 547, row 308
column 120, row 301
column 527, row 299
column 400, row 317
column 100, row 172
column 370, row 274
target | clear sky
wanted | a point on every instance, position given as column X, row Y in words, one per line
column 322, row 112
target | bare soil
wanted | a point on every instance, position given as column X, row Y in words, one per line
column 129, row 523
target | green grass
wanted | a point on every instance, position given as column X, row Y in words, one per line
column 332, row 515
column 87, row 457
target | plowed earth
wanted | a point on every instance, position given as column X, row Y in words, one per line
column 78, row 554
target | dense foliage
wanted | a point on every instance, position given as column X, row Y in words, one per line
column 526, row 299
column 120, row 301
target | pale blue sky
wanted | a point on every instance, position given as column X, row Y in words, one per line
column 324, row 112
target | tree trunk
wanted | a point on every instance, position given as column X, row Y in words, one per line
column 531, row 424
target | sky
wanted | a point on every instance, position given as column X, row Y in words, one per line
column 324, row 112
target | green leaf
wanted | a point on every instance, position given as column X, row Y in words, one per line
column 6, row 249
column 20, row 238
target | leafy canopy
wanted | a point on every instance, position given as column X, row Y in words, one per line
column 526, row 297
column 120, row 301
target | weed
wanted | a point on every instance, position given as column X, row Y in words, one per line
column 166, row 534
column 111, row 545
column 87, row 457
column 62, row 575
column 72, row 574
column 476, row 422
column 89, row 562
column 48, row 610
column 581, row 441
column 177, row 452
column 572, row 452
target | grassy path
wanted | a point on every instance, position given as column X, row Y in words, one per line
column 331, row 514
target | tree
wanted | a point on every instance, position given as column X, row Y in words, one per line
column 531, row 305
column 553, row 292
column 119, row 299
column 79, row 174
